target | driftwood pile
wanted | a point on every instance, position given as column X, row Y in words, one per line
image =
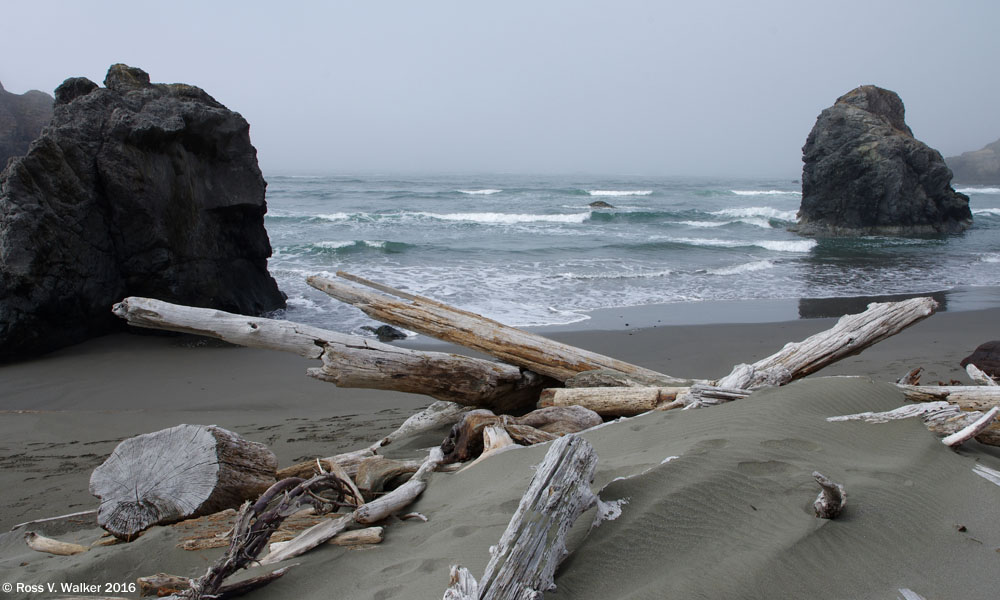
column 540, row 390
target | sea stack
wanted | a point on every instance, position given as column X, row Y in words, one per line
column 865, row 174
column 22, row 117
column 133, row 189
column 979, row 166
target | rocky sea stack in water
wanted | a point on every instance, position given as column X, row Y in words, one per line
column 866, row 174
column 133, row 189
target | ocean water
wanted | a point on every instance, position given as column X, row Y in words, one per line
column 531, row 251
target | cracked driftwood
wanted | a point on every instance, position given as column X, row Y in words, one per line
column 514, row 346
column 851, row 335
column 351, row 361
column 176, row 473
column 523, row 563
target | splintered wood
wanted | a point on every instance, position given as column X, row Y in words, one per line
column 523, row 563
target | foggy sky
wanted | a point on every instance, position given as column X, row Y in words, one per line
column 617, row 87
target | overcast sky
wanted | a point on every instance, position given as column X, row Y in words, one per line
column 545, row 86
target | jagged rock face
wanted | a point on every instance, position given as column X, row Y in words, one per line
column 134, row 189
column 864, row 173
column 22, row 118
column 980, row 166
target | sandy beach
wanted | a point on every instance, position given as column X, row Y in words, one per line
column 718, row 500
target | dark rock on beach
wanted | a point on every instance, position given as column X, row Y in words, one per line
column 865, row 173
column 385, row 333
column 986, row 357
column 979, row 166
column 133, row 189
column 22, row 118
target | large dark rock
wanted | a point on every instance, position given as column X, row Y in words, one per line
column 979, row 166
column 133, row 189
column 986, row 357
column 22, row 118
column 865, row 173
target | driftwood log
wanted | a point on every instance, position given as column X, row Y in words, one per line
column 40, row 543
column 832, row 497
column 514, row 346
column 351, row 361
column 466, row 440
column 523, row 563
column 177, row 473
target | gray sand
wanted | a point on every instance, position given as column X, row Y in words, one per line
column 729, row 517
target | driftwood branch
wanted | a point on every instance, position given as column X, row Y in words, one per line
column 40, row 543
column 351, row 361
column 972, row 429
column 941, row 417
column 514, row 346
column 978, row 376
column 967, row 397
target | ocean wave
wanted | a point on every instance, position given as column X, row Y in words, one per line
column 978, row 190
column 993, row 257
column 620, row 192
column 765, row 193
column 486, row 192
column 491, row 218
column 757, row 265
column 346, row 247
column 772, row 245
column 766, row 212
column 756, row 222
column 993, row 212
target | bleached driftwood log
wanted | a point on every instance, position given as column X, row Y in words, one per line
column 40, row 543
column 851, row 335
column 348, row 461
column 978, row 376
column 967, row 397
column 831, row 500
column 495, row 440
column 354, row 537
column 972, row 429
column 177, row 473
column 611, row 401
column 401, row 497
column 378, row 472
column 523, row 564
column 514, row 346
column 940, row 417
column 351, row 361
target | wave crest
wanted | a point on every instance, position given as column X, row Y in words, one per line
column 620, row 192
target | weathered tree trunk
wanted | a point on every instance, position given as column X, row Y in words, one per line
column 611, row 401
column 352, row 361
column 40, row 543
column 401, row 497
column 177, row 473
column 523, row 563
column 851, row 335
column 541, row 355
column 377, row 473
column 831, row 500
column 968, row 397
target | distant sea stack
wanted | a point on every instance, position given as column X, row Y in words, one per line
column 865, row 173
column 133, row 189
column 979, row 166
column 22, row 118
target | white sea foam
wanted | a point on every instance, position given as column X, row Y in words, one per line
column 619, row 192
column 334, row 245
column 617, row 275
column 703, row 224
column 340, row 216
column 993, row 257
column 765, row 193
column 787, row 246
column 507, row 218
column 773, row 245
column 374, row 243
column 766, row 212
column 759, row 265
column 486, row 192
column 979, row 190
column 993, row 212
